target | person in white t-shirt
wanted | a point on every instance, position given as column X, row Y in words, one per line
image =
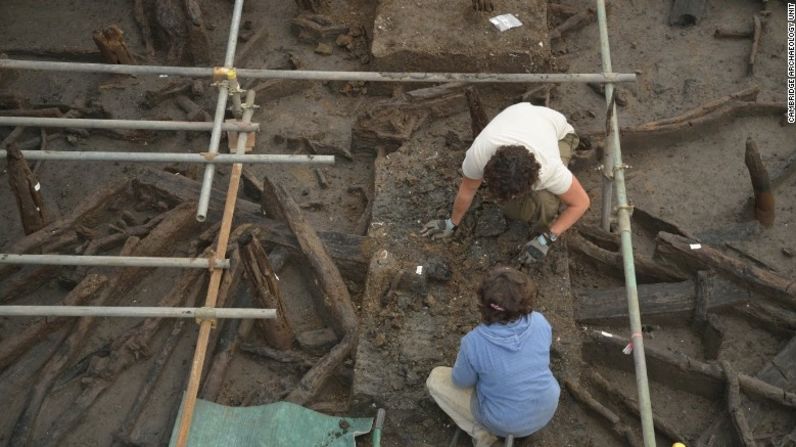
column 521, row 156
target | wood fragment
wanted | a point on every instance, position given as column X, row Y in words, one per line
column 679, row 251
column 662, row 426
column 761, row 185
column 153, row 98
column 142, row 20
column 26, row 282
column 192, row 110
column 758, row 30
column 723, row 33
column 110, row 41
column 69, row 54
column 687, row 12
column 574, row 22
column 646, row 268
column 771, row 318
column 619, row 428
column 559, row 9
column 266, row 292
column 335, row 296
column 735, row 406
column 244, row 53
column 323, row 183
column 33, row 212
column 198, row 41
column 315, row 6
column 290, row 356
column 478, row 117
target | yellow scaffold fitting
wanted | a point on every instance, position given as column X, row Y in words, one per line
column 224, row 74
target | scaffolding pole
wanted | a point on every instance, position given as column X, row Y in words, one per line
column 613, row 167
column 320, row 75
column 195, row 377
column 89, row 123
column 174, row 157
column 111, row 261
column 230, row 85
column 200, row 313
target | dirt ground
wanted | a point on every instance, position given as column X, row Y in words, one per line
column 697, row 179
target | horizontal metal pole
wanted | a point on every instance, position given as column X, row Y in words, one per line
column 170, row 157
column 110, row 261
column 317, row 75
column 88, row 123
column 205, row 313
column 552, row 78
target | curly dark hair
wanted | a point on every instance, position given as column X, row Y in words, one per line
column 505, row 295
column 511, row 172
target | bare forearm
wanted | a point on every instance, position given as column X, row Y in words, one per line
column 567, row 218
column 464, row 198
column 460, row 206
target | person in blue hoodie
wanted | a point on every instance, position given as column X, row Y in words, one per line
column 501, row 383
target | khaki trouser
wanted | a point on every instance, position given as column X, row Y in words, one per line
column 541, row 207
column 455, row 402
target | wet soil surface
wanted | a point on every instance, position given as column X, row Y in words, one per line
column 697, row 180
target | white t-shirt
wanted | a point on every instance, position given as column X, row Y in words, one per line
column 524, row 124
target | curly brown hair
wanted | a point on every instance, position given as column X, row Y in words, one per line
column 505, row 295
column 511, row 172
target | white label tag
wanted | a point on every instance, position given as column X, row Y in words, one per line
column 695, row 246
column 505, row 22
column 606, row 334
column 37, row 186
column 419, row 270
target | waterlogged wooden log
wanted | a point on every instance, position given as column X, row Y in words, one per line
column 478, row 117
column 112, row 46
column 646, row 268
column 615, row 422
column 659, row 302
column 266, row 292
column 697, row 256
column 334, row 291
column 27, row 192
column 761, row 185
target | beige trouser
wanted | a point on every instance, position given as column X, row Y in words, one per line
column 541, row 207
column 455, row 402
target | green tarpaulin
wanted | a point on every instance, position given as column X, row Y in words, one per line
column 274, row 425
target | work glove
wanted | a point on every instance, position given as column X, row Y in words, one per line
column 438, row 229
column 536, row 249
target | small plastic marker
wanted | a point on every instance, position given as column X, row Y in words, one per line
column 419, row 270
column 37, row 186
column 628, row 349
column 606, row 334
column 695, row 246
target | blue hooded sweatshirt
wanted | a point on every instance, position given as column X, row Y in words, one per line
column 509, row 365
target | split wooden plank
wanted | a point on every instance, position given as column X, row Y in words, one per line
column 658, row 302
column 688, row 254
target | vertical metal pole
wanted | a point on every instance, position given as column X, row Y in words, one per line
column 221, row 106
column 614, row 157
column 612, row 139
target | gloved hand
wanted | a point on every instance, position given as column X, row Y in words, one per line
column 536, row 249
column 438, row 229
